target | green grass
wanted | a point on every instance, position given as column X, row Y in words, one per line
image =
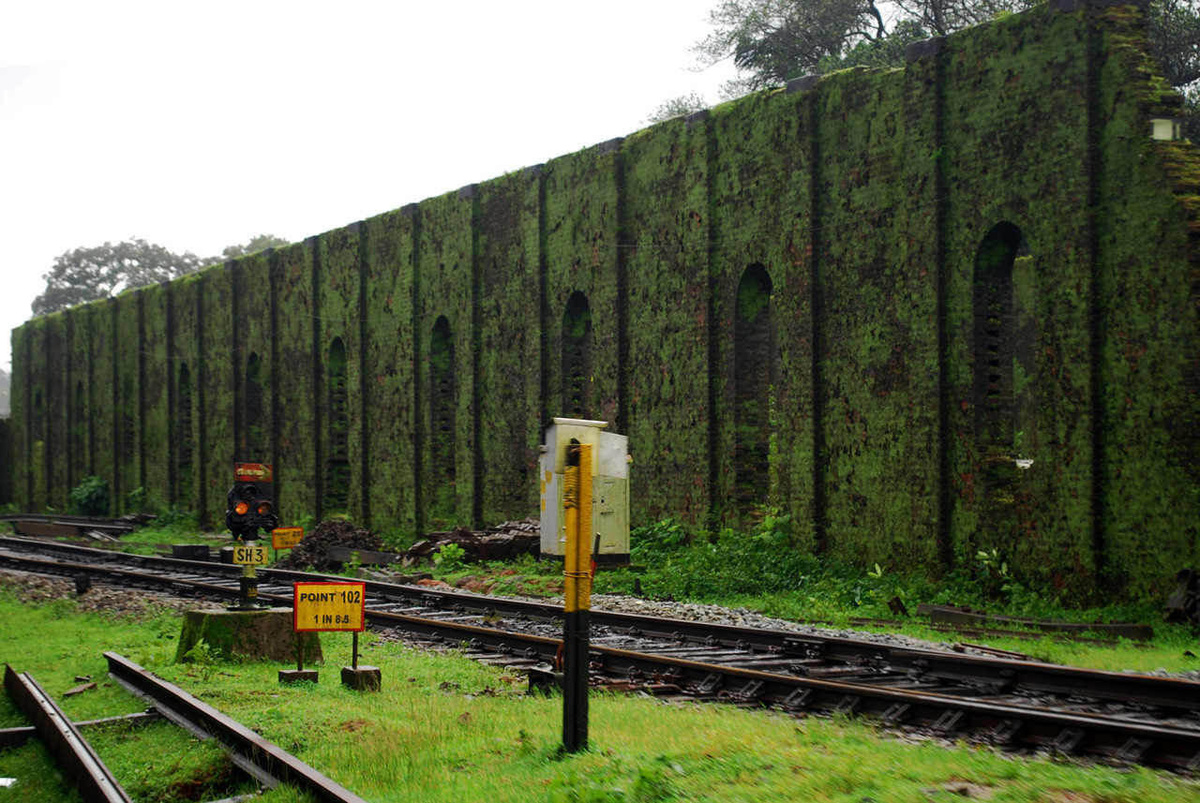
column 761, row 572
column 448, row 729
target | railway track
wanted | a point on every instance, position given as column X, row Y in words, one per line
column 260, row 759
column 1020, row 704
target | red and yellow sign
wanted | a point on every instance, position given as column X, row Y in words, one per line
column 286, row 537
column 329, row 606
column 252, row 472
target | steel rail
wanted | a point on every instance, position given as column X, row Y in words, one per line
column 77, row 758
column 246, row 747
column 995, row 674
column 1008, row 723
column 1012, row 723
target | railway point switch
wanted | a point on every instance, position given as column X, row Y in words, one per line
column 610, row 488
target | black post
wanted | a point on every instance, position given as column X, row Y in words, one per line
column 575, row 681
column 354, row 652
column 577, row 590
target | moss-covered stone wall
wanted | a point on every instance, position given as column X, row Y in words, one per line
column 388, row 375
column 665, row 241
column 156, row 448
column 445, row 290
column 508, row 392
column 295, row 401
column 7, row 450
column 184, row 371
column 923, row 312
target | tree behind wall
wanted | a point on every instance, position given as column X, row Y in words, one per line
column 90, row 274
column 773, row 41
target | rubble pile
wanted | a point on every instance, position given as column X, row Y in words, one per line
column 314, row 549
column 503, row 542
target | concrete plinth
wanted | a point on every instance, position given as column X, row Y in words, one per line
column 544, row 680
column 289, row 676
column 365, row 678
column 190, row 551
column 261, row 635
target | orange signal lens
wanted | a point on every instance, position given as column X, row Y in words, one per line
column 264, row 508
column 241, row 508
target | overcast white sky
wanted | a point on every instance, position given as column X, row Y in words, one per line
column 200, row 125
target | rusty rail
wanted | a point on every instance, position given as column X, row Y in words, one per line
column 261, row 758
column 77, row 758
column 942, row 691
column 54, row 526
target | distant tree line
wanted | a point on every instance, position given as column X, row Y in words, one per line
column 103, row 271
column 773, row 41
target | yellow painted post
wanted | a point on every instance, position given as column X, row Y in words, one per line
column 577, row 593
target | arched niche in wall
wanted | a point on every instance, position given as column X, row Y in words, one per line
column 254, row 432
column 337, row 460
column 995, row 341
column 185, row 438
column 577, row 358
column 443, row 395
column 1003, row 395
column 753, row 378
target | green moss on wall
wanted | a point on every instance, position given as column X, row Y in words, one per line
column 879, row 382
column 388, row 373
column 877, row 271
column 296, row 464
column 341, row 422
column 444, row 289
column 37, row 419
column 255, row 368
column 8, row 460
column 1016, row 152
column 102, row 392
column 155, row 445
column 1150, row 411
column 77, row 387
column 185, row 373
column 55, row 457
column 217, row 450
column 129, row 425
column 666, row 237
column 762, row 215
column 581, row 256
column 509, row 350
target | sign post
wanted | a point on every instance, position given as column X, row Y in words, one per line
column 577, row 588
column 336, row 607
column 286, row 538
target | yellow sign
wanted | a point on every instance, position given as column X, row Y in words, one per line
column 286, row 537
column 247, row 555
column 328, row 606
